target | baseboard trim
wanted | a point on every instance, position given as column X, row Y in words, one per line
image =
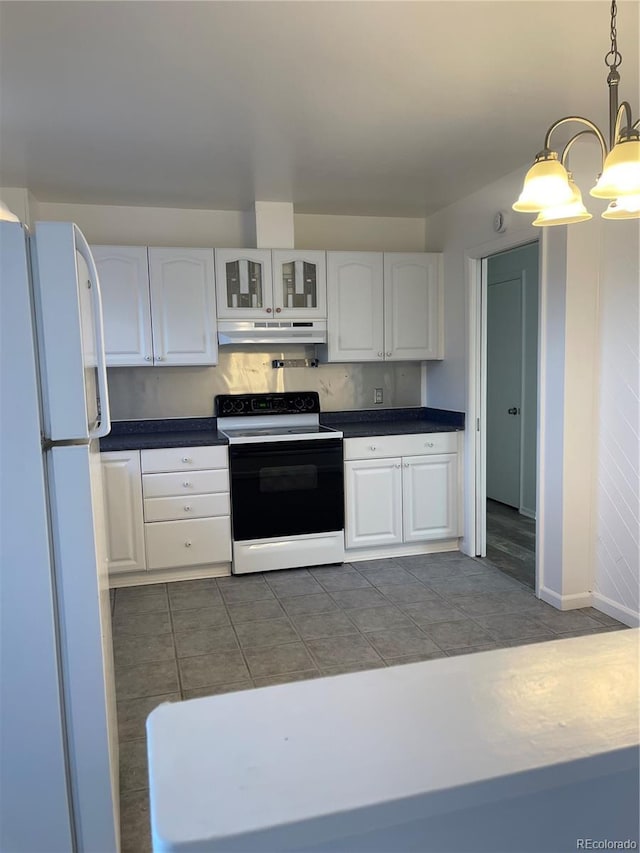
column 565, row 602
column 188, row 573
column 528, row 513
column 615, row 610
column 353, row 555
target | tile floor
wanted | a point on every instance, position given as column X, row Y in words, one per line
column 511, row 542
column 199, row 638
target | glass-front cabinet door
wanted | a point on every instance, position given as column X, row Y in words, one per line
column 299, row 284
column 243, row 283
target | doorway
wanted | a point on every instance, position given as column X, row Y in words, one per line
column 510, row 293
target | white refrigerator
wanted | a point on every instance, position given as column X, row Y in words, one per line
column 59, row 767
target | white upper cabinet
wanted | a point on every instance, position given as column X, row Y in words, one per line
column 384, row 307
column 244, row 284
column 159, row 305
column 183, row 306
column 124, row 282
column 355, row 322
column 412, row 284
column 299, row 284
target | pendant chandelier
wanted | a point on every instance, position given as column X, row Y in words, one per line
column 549, row 189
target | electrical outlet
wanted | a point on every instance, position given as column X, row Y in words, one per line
column 377, row 395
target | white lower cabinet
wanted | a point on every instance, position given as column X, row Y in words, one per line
column 373, row 494
column 170, row 518
column 123, row 509
column 171, row 544
column 178, row 533
column 401, row 499
column 430, row 497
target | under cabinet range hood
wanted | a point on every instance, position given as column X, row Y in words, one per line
column 274, row 332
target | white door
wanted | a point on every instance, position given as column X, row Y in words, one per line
column 504, row 389
column 299, row 284
column 126, row 307
column 412, row 306
column 244, row 290
column 430, row 497
column 355, row 306
column 183, row 306
column 373, row 497
column 122, row 486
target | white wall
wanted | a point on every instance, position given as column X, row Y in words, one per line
column 459, row 228
column 154, row 226
column 616, row 533
column 588, row 469
column 361, row 233
column 160, row 226
column 19, row 201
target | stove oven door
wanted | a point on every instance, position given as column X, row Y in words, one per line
column 286, row 488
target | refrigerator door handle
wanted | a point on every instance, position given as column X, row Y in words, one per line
column 104, row 426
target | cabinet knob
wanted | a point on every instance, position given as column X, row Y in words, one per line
column 187, row 544
column 278, row 310
column 430, row 444
column 269, row 310
column 187, row 508
column 389, row 354
column 147, row 358
column 380, row 354
column 406, row 464
column 373, row 447
column 186, row 484
column 186, row 459
column 160, row 358
column 397, row 466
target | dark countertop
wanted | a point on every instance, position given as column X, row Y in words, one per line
column 167, row 432
column 196, row 432
column 369, row 422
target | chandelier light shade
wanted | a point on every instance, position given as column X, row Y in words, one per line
column 547, row 182
column 549, row 189
column 621, row 173
column 567, row 213
column 627, row 207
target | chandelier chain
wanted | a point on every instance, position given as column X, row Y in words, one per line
column 614, row 58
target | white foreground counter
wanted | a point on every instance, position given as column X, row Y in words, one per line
column 520, row 749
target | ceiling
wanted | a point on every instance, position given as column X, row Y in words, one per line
column 372, row 108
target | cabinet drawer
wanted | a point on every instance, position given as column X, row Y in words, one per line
column 171, row 544
column 379, row 447
column 183, row 458
column 184, row 483
column 191, row 506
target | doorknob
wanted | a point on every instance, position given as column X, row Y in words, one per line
column 513, row 411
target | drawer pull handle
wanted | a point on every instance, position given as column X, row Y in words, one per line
column 186, row 459
column 430, row 444
column 187, row 508
column 186, row 484
column 187, row 544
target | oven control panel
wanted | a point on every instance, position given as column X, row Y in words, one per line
column 286, row 403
